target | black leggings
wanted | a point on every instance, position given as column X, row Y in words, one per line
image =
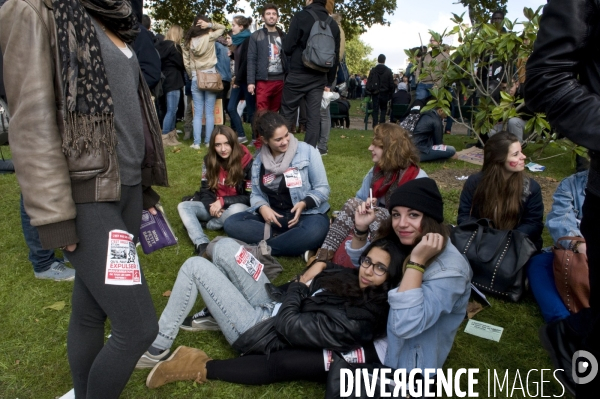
column 102, row 370
column 281, row 366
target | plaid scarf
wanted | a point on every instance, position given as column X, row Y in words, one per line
column 89, row 105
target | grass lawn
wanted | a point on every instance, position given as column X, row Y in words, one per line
column 33, row 361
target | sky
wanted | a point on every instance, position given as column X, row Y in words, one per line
column 409, row 20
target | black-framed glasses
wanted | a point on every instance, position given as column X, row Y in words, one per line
column 378, row 268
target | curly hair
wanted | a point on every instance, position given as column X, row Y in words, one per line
column 399, row 152
column 496, row 197
column 214, row 162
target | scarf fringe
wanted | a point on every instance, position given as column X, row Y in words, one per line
column 88, row 132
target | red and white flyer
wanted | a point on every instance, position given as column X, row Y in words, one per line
column 292, row 178
column 354, row 356
column 248, row 262
column 122, row 264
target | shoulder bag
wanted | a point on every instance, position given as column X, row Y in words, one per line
column 571, row 275
column 207, row 81
column 497, row 257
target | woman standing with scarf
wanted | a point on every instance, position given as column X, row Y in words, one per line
column 239, row 89
column 396, row 161
column 289, row 192
column 199, row 54
column 87, row 146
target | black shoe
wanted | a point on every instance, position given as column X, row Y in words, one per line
column 201, row 249
column 274, row 292
column 561, row 346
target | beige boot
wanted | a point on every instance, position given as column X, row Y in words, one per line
column 183, row 365
column 173, row 135
column 167, row 142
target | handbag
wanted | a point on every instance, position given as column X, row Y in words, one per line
column 571, row 275
column 156, row 231
column 262, row 252
column 208, row 81
column 497, row 257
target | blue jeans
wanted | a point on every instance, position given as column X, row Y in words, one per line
column 172, row 98
column 41, row 259
column 541, row 280
column 237, row 94
column 204, row 105
column 233, row 297
column 423, row 91
column 193, row 212
column 308, row 233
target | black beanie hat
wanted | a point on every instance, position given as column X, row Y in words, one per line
column 421, row 195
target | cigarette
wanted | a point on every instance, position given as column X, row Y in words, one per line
column 371, row 195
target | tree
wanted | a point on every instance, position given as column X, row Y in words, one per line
column 358, row 14
column 485, row 47
column 356, row 56
column 481, row 10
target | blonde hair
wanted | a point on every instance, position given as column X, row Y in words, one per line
column 399, row 151
column 175, row 34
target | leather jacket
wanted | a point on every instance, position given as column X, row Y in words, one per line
column 314, row 321
column 52, row 182
column 563, row 75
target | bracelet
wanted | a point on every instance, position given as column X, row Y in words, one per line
column 415, row 266
column 358, row 232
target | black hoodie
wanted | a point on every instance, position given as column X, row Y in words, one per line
column 381, row 80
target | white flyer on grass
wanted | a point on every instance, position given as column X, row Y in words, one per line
column 484, row 330
column 122, row 265
column 354, row 356
column 248, row 262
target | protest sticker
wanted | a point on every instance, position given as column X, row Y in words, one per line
column 353, row 356
column 122, row 264
column 439, row 147
column 292, row 178
column 248, row 262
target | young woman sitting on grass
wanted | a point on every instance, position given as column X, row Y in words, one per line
column 338, row 308
column 289, row 191
column 224, row 188
column 502, row 192
column 428, row 302
column 396, row 161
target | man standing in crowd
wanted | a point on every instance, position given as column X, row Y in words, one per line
column 430, row 70
column 303, row 81
column 563, row 80
column 380, row 85
column 266, row 66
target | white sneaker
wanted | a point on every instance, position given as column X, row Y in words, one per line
column 195, row 146
column 242, row 140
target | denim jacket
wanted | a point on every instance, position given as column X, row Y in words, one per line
column 363, row 191
column 314, row 180
column 564, row 218
column 423, row 321
column 223, row 62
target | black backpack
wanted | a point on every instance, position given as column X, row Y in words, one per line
column 372, row 86
column 319, row 53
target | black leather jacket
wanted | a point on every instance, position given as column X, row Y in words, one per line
column 563, row 75
column 320, row 321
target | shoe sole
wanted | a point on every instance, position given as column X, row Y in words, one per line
column 158, row 365
column 72, row 278
column 146, row 363
column 202, row 327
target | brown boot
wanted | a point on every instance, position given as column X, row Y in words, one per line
column 322, row 255
column 183, row 365
column 167, row 142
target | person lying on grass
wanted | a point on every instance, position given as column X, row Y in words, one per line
column 331, row 307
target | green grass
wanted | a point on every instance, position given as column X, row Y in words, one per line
column 33, row 362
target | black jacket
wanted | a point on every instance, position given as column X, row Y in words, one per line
column 563, row 75
column 383, row 78
column 240, row 58
column 258, row 55
column 428, row 131
column 147, row 57
column 401, row 97
column 320, row 321
column 296, row 38
column 171, row 62
column 532, row 209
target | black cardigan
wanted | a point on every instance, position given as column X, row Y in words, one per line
column 171, row 65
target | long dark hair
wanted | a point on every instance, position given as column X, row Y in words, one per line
column 345, row 284
column 214, row 162
column 195, row 30
column 498, row 198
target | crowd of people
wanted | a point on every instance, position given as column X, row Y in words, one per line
column 383, row 278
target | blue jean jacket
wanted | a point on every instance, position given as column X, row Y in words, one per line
column 314, row 180
column 565, row 216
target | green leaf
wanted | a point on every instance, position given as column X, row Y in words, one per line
column 60, row 305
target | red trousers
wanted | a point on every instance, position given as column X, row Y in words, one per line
column 268, row 94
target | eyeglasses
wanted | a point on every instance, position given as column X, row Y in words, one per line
column 379, row 268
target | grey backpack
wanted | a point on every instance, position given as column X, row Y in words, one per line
column 319, row 53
